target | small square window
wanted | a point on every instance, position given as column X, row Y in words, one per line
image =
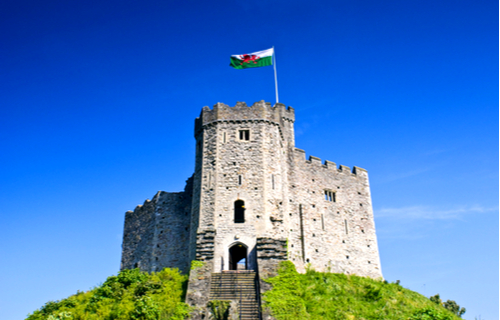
column 330, row 196
column 245, row 135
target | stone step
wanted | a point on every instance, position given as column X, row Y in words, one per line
column 238, row 286
column 245, row 295
column 233, row 280
column 233, row 285
column 251, row 281
column 230, row 297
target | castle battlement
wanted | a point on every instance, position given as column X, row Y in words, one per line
column 254, row 200
column 260, row 110
column 301, row 155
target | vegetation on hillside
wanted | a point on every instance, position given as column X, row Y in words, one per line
column 134, row 295
column 316, row 296
column 130, row 295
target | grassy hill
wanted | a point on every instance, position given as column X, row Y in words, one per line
column 316, row 295
column 133, row 294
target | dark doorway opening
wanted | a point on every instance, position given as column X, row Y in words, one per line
column 239, row 211
column 238, row 257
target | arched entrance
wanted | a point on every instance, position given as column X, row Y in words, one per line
column 238, row 253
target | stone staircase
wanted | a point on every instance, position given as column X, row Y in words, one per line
column 238, row 286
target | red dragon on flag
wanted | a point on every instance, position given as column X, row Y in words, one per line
column 247, row 58
column 252, row 60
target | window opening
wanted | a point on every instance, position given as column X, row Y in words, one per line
column 330, row 196
column 346, row 231
column 272, row 180
column 245, row 135
column 224, row 137
column 239, row 180
column 322, row 223
column 238, row 257
column 239, row 211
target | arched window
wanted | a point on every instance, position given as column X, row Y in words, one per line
column 239, row 211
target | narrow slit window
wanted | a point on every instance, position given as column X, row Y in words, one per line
column 272, row 180
column 224, row 137
column 346, row 230
column 245, row 135
column 239, row 180
column 322, row 222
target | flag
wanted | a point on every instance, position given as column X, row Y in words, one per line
column 252, row 60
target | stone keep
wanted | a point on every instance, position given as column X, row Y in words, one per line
column 254, row 200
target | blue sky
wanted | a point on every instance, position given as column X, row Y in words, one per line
column 98, row 100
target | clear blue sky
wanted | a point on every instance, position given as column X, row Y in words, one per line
column 98, row 100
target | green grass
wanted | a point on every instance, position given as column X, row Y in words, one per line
column 134, row 295
column 316, row 295
column 131, row 294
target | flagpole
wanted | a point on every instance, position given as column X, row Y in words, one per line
column 275, row 75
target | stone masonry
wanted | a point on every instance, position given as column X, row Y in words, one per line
column 253, row 195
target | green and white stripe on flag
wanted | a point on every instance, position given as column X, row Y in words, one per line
column 253, row 60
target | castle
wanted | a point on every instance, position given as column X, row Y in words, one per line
column 254, row 200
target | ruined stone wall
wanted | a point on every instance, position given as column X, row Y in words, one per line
column 156, row 234
column 138, row 234
column 336, row 235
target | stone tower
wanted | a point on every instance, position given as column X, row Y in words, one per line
column 255, row 200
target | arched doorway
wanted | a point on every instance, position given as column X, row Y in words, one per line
column 238, row 257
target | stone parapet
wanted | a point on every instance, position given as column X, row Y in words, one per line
column 261, row 110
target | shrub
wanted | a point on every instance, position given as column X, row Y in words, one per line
column 131, row 294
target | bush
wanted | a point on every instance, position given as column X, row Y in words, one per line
column 131, row 294
column 450, row 305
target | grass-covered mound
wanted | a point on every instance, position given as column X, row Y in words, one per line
column 131, row 294
column 316, row 295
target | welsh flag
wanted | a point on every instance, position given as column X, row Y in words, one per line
column 252, row 60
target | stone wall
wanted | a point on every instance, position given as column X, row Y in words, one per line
column 338, row 234
column 251, row 169
column 156, row 234
column 138, row 234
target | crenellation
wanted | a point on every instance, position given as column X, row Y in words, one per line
column 344, row 169
column 315, row 160
column 330, row 164
column 255, row 198
column 300, row 154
